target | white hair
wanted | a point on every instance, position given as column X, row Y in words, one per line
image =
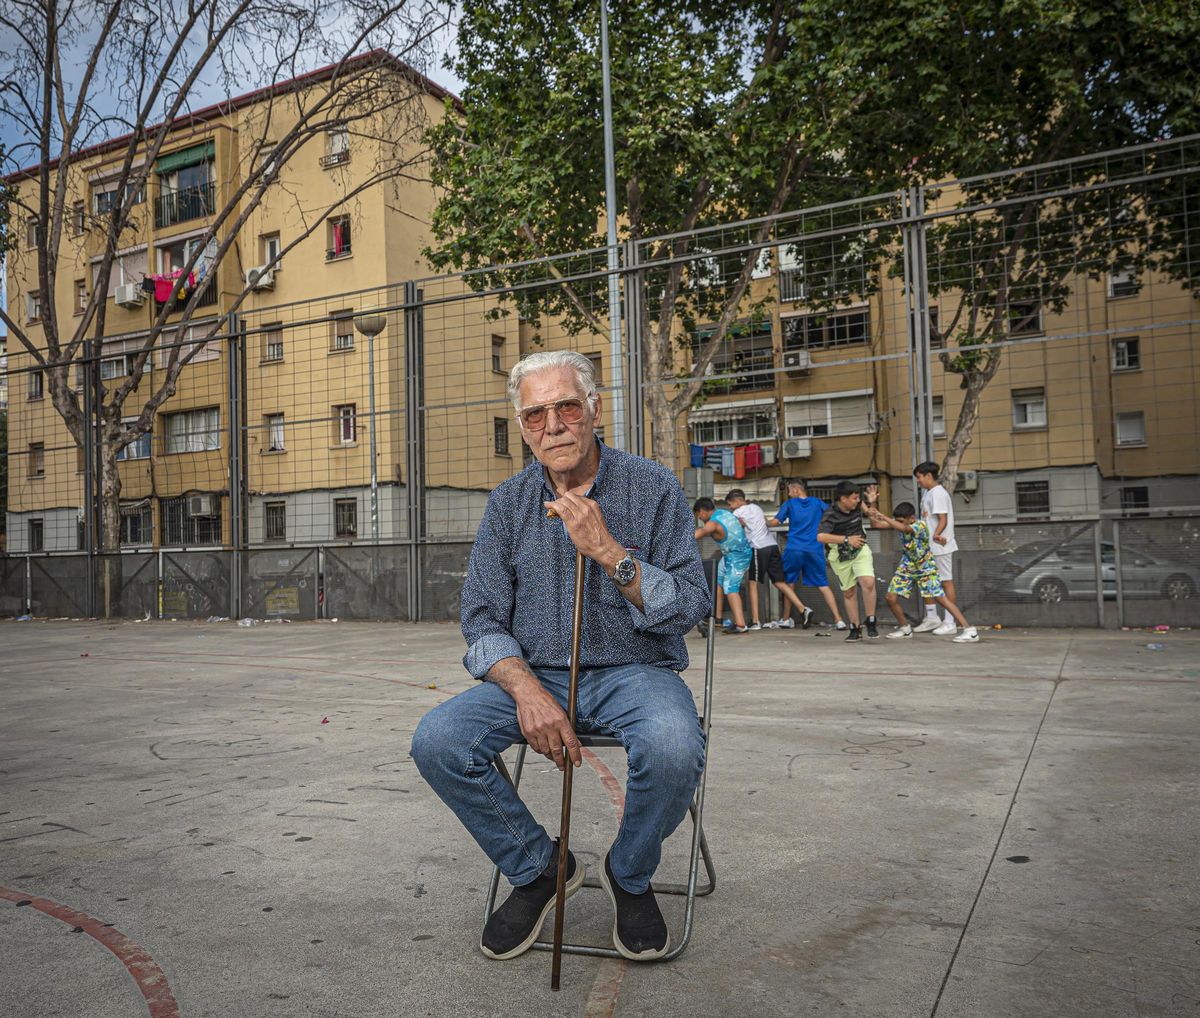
column 545, row 360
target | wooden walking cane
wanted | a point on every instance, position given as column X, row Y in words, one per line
column 564, row 831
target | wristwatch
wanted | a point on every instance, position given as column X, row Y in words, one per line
column 625, row 572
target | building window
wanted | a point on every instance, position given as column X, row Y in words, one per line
column 1126, row 354
column 185, row 185
column 1029, row 408
column 939, row 417
column 345, row 517
column 1123, row 284
column 37, row 385
column 500, row 435
column 274, row 427
column 191, row 520
column 746, row 427
column 37, row 535
column 136, row 525
column 827, row 329
column 747, row 353
column 339, row 238
column 270, row 248
column 1024, row 318
column 1033, row 499
column 114, row 367
column 597, row 360
column 498, row 353
column 1135, row 499
column 1131, row 428
column 275, row 521
column 37, row 459
column 105, row 197
column 346, row 421
column 194, row 430
column 337, row 146
column 139, row 448
column 33, row 233
column 78, row 218
column 81, row 296
column 33, row 306
column 838, row 415
column 341, row 330
column 937, row 341
column 273, row 342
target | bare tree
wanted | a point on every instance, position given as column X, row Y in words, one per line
column 114, row 79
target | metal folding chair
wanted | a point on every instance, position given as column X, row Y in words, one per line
column 692, row 889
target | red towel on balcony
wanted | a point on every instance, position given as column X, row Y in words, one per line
column 754, row 457
column 739, row 462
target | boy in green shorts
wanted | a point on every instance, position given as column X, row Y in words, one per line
column 916, row 567
column 849, row 555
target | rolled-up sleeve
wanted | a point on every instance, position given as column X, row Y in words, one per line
column 487, row 598
column 675, row 594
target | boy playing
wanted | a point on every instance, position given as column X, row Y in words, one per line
column 723, row 527
column 850, row 556
column 917, row 566
column 937, row 512
column 765, row 562
column 803, row 559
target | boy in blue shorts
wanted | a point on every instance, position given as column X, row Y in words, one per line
column 916, row 567
column 803, row 557
column 723, row 527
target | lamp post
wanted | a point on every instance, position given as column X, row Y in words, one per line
column 371, row 326
column 616, row 365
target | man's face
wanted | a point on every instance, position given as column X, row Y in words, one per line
column 926, row 481
column 735, row 503
column 704, row 515
column 560, row 447
column 848, row 502
column 795, row 491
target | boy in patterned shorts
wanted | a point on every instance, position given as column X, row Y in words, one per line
column 916, row 567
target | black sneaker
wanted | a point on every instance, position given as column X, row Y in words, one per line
column 854, row 634
column 872, row 628
column 806, row 621
column 639, row 930
column 514, row 926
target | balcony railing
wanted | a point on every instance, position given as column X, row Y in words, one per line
column 337, row 252
column 791, row 285
column 335, row 159
column 172, row 207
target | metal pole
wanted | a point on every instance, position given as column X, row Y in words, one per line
column 1116, row 525
column 414, row 435
column 236, row 467
column 616, row 367
column 1098, row 560
column 924, row 352
column 374, row 461
column 89, row 480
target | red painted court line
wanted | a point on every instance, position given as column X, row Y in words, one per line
column 606, row 988
column 149, row 978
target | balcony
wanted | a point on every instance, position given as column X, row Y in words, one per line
column 172, row 207
column 335, row 159
column 791, row 285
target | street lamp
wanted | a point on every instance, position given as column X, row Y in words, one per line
column 371, row 326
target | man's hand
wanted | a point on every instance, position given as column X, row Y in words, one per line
column 587, row 529
column 543, row 722
column 871, row 494
column 856, row 540
column 939, row 538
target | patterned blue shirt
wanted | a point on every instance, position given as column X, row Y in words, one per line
column 518, row 594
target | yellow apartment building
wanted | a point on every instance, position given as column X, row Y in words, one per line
column 306, row 398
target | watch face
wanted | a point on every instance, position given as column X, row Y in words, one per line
column 625, row 571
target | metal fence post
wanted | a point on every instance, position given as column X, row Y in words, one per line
column 89, row 477
column 1098, row 558
column 236, row 410
column 414, row 439
column 635, row 406
column 916, row 296
column 1116, row 525
column 28, row 586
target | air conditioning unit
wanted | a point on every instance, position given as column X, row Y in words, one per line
column 968, row 480
column 797, row 448
column 130, row 295
column 201, row 505
column 261, row 278
column 797, row 362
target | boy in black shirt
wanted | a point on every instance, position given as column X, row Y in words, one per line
column 850, row 556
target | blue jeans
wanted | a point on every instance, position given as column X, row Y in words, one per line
column 651, row 710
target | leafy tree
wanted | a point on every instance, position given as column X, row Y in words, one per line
column 727, row 111
column 122, row 74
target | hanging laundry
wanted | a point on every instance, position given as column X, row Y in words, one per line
column 696, row 455
column 713, row 457
column 728, row 460
column 754, row 456
column 739, row 462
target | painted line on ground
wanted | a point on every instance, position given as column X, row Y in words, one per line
column 606, row 987
column 151, row 981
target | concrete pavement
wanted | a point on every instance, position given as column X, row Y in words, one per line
column 900, row 828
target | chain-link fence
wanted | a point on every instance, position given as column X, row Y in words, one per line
column 1032, row 332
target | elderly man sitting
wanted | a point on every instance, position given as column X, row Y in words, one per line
column 644, row 589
